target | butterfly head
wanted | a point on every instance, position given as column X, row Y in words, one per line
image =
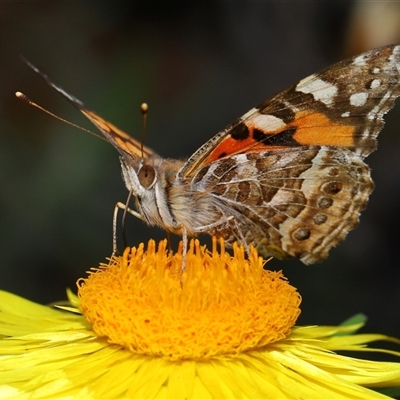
column 138, row 177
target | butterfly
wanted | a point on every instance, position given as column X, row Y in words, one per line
column 287, row 177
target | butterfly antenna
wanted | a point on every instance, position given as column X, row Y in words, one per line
column 28, row 101
column 144, row 108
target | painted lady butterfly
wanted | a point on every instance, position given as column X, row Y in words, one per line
column 287, row 177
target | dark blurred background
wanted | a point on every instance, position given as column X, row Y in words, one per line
column 199, row 65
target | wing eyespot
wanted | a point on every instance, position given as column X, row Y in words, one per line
column 301, row 234
column 325, row 202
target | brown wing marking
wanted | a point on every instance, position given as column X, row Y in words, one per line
column 117, row 137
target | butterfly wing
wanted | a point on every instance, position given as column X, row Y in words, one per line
column 293, row 202
column 291, row 170
column 342, row 106
column 123, row 142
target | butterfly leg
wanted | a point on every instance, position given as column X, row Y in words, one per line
column 124, row 219
column 121, row 206
column 184, row 248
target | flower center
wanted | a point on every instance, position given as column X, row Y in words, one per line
column 220, row 304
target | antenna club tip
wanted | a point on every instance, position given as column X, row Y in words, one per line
column 144, row 108
column 23, row 97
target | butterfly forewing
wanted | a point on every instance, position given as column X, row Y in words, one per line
column 342, row 105
column 117, row 137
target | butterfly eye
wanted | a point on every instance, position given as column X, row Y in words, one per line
column 147, row 176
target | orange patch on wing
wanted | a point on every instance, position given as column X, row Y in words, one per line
column 317, row 129
column 312, row 129
column 230, row 146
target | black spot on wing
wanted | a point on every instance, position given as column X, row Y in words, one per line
column 284, row 138
column 240, row 132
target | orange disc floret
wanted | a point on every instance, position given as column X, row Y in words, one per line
column 220, row 304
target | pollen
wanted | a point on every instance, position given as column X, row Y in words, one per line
column 220, row 305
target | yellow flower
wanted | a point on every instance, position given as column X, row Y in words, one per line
column 223, row 329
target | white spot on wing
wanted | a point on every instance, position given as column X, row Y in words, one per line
column 395, row 56
column 321, row 90
column 241, row 158
column 358, row 99
column 268, row 122
column 375, row 84
column 360, row 61
column 346, row 114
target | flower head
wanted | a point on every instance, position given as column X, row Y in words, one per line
column 220, row 305
column 222, row 329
